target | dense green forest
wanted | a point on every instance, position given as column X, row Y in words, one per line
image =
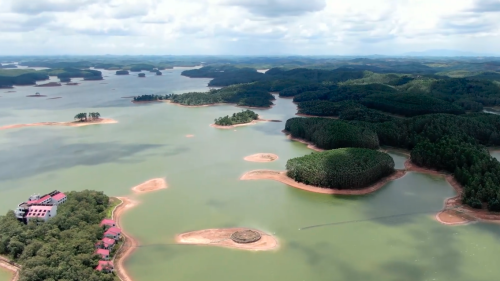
column 61, row 248
column 253, row 95
column 22, row 79
column 331, row 134
column 152, row 97
column 122, row 72
column 451, row 143
column 344, row 168
column 245, row 116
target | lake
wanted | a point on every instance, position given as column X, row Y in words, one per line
column 387, row 235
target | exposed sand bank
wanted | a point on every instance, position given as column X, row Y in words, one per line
column 261, row 157
column 10, row 266
column 55, row 98
column 454, row 211
column 189, row 136
column 310, row 145
column 50, row 84
column 150, row 185
column 72, row 84
column 129, row 245
column 36, row 96
column 146, row 101
column 71, row 124
column 283, row 178
column 222, row 238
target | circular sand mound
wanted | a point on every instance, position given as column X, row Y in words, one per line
column 245, row 236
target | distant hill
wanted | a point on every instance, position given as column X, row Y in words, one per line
column 445, row 53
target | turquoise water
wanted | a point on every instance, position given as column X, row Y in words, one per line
column 388, row 235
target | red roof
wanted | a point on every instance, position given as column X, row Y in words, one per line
column 103, row 264
column 39, row 211
column 59, row 196
column 115, row 230
column 43, row 199
column 102, row 252
column 108, row 241
column 107, row 222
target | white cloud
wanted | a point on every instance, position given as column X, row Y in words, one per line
column 252, row 27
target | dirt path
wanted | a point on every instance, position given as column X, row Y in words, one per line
column 13, row 267
column 129, row 244
column 454, row 211
column 283, row 178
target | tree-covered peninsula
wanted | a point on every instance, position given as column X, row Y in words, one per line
column 331, row 134
column 152, row 97
column 242, row 117
column 344, row 168
column 450, row 143
column 63, row 247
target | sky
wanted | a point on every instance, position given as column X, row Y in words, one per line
column 247, row 27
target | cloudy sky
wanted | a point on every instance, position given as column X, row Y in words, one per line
column 247, row 27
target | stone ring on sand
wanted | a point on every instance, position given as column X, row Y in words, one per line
column 245, row 236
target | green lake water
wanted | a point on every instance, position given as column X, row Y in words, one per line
column 4, row 274
column 388, row 235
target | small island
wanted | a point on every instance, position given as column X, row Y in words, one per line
column 245, row 117
column 345, row 171
column 37, row 95
column 122, row 72
column 150, row 98
column 82, row 119
column 158, row 72
column 236, row 238
column 141, row 75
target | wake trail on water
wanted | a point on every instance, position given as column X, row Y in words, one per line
column 364, row 220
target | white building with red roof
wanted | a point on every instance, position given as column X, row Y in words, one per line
column 41, row 211
column 43, row 207
column 106, row 243
column 105, row 266
column 108, row 222
column 103, row 253
column 113, row 232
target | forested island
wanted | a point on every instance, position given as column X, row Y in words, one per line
column 122, row 72
column 83, row 117
column 63, row 248
column 345, row 168
column 242, row 117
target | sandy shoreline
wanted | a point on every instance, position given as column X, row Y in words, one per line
column 150, row 185
column 12, row 267
column 261, row 157
column 70, row 124
column 309, row 144
column 283, row 178
column 129, row 245
column 454, row 211
column 221, row 238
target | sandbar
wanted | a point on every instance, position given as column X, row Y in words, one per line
column 55, row 98
column 129, row 244
column 310, row 145
column 72, row 84
column 189, row 136
column 261, row 157
column 50, row 84
column 222, row 238
column 36, row 96
column 150, row 185
column 283, row 178
column 454, row 211
column 70, row 124
column 145, row 101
